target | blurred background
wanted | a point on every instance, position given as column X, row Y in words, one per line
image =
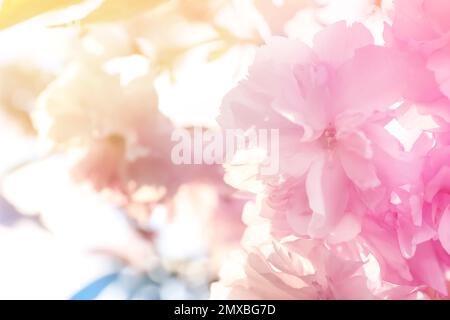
column 91, row 206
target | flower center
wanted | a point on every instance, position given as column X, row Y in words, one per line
column 329, row 137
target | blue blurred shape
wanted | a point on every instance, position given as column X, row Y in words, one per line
column 92, row 290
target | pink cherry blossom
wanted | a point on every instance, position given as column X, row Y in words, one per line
column 121, row 141
column 357, row 205
column 421, row 31
column 330, row 104
column 114, row 125
column 304, row 269
column 344, row 177
column 422, row 227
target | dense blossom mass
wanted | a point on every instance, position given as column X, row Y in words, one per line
column 314, row 159
column 349, row 194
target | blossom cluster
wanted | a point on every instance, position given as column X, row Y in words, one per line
column 360, row 205
column 341, row 192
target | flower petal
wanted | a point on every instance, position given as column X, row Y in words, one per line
column 338, row 42
column 444, row 230
column 327, row 190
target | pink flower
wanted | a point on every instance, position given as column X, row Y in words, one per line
column 330, row 104
column 431, row 229
column 388, row 241
column 422, row 24
column 115, row 124
column 343, row 178
column 410, row 238
column 303, row 269
column 421, row 30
